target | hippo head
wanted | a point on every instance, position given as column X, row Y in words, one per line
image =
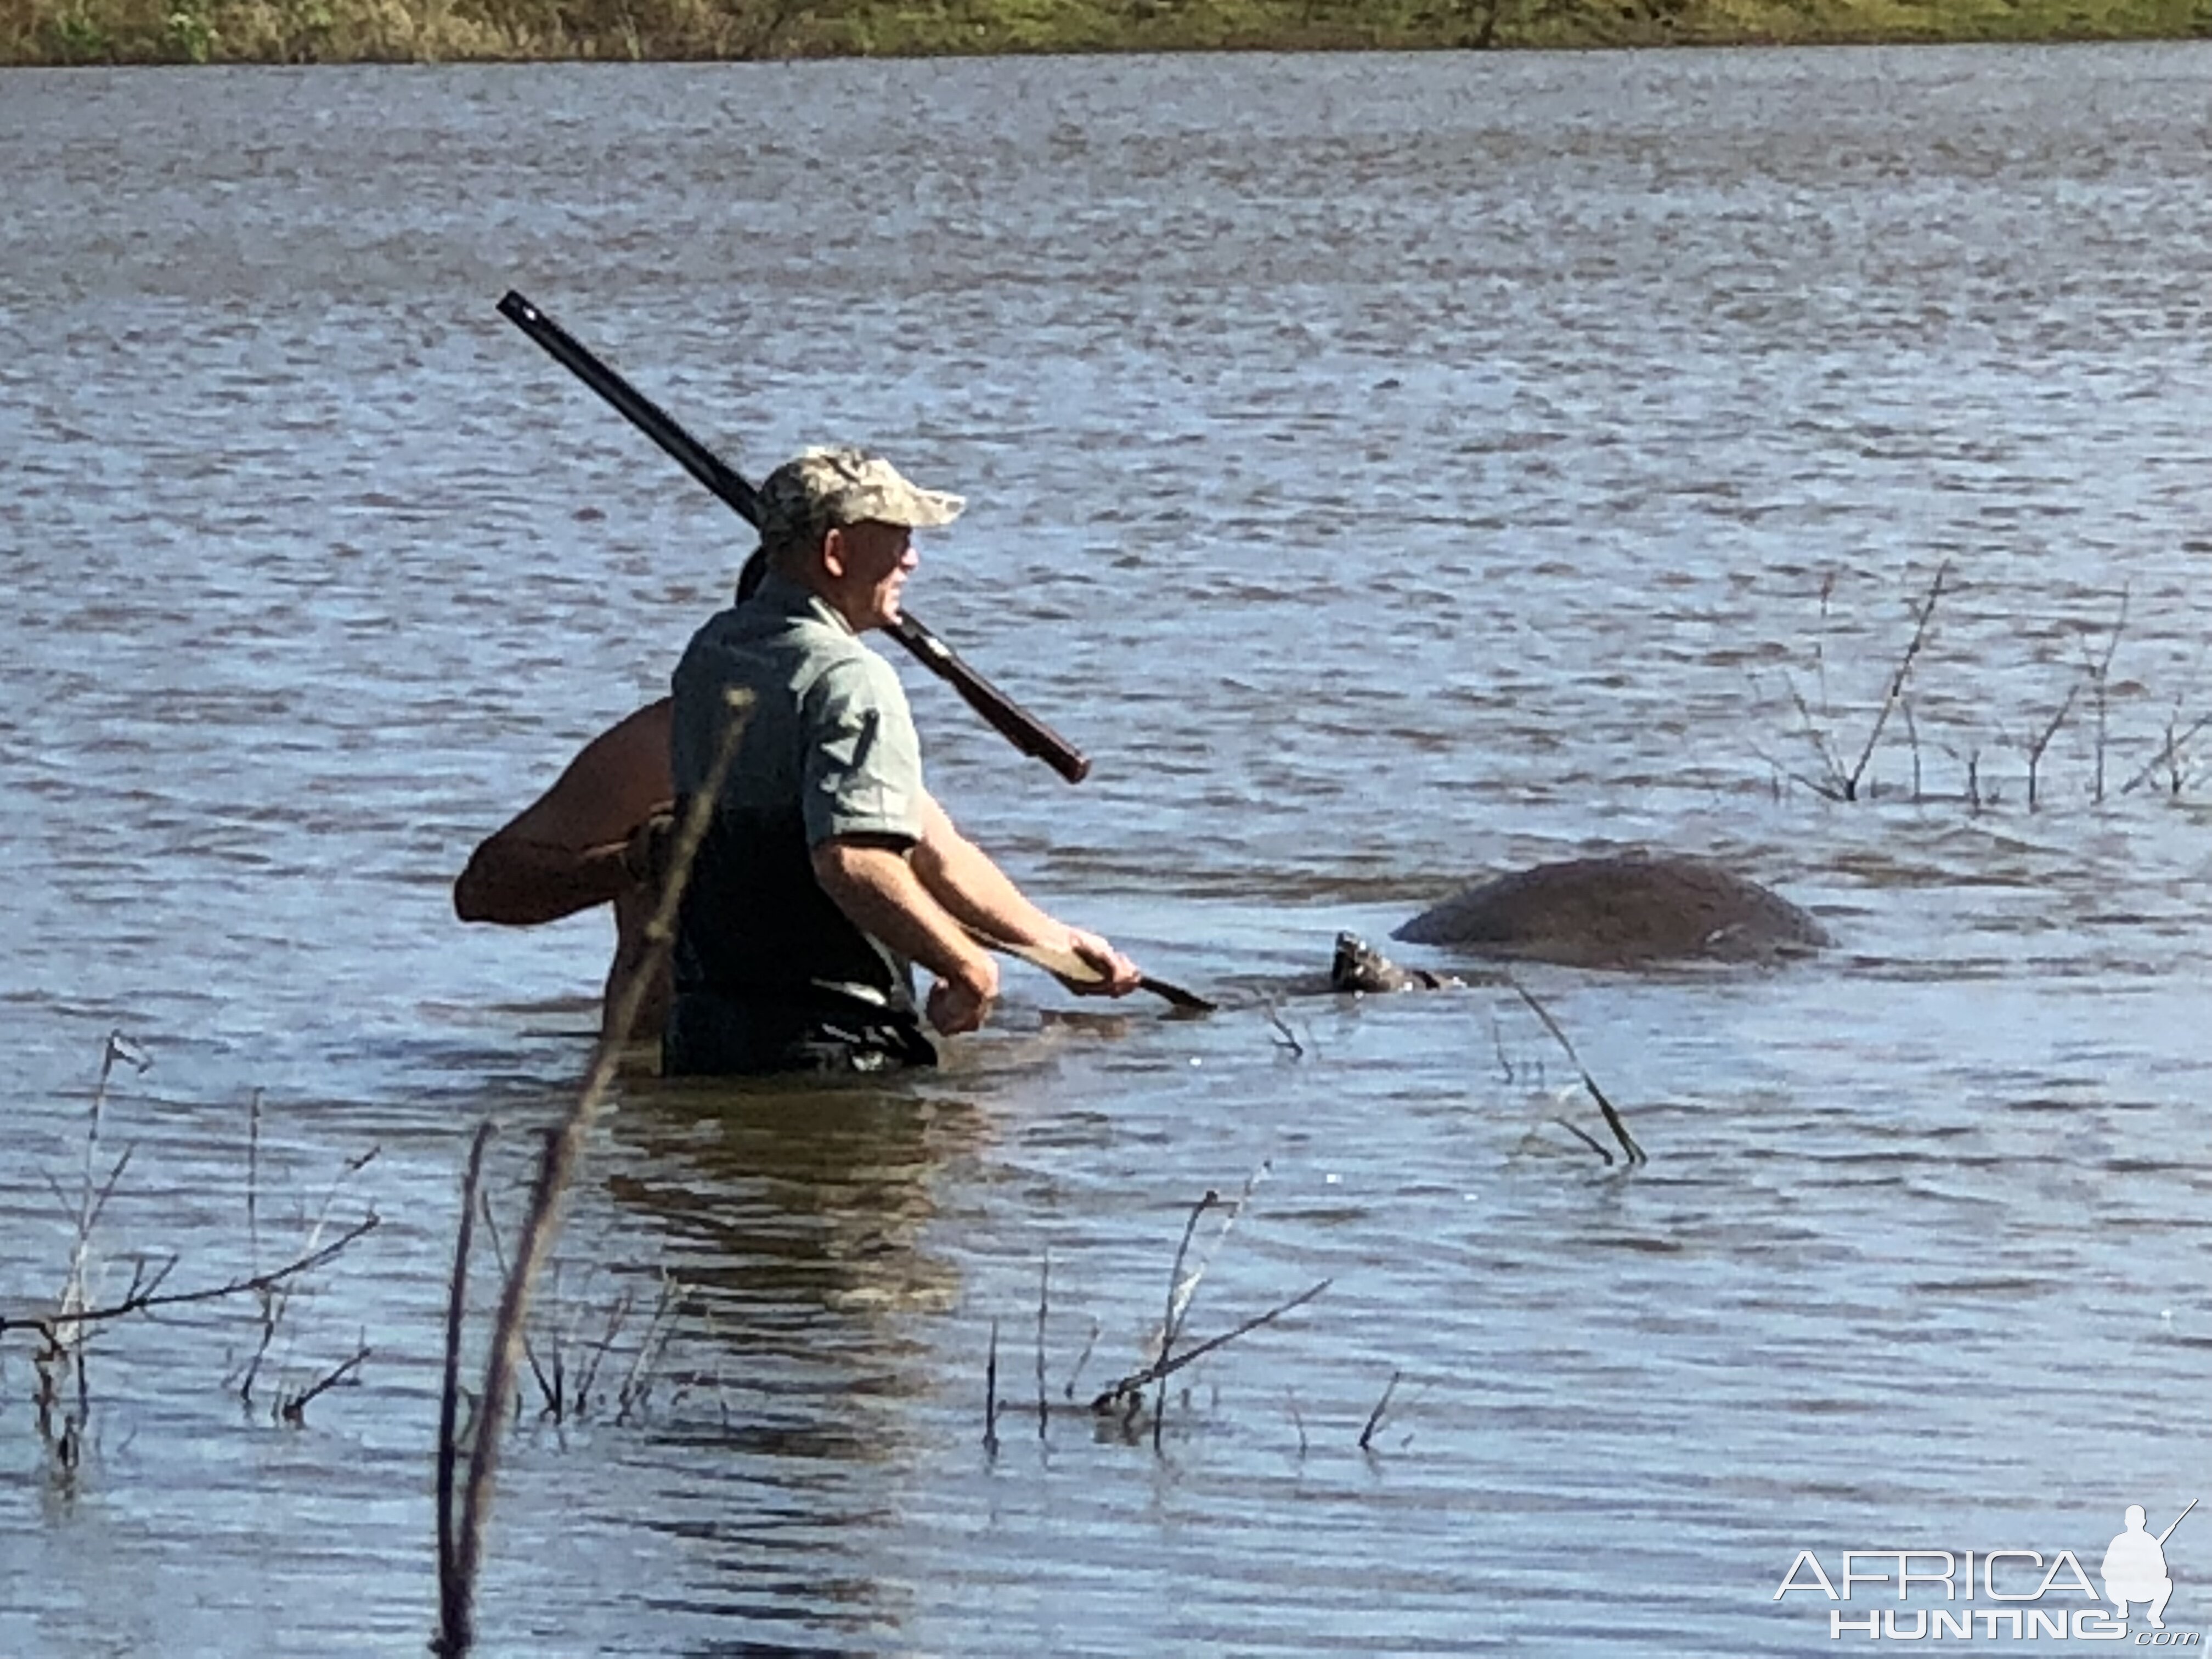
column 1358, row 966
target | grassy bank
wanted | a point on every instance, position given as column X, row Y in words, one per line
column 306, row 31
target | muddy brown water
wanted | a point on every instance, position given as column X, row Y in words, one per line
column 1390, row 469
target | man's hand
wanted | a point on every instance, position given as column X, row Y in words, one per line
column 963, row 1003
column 1117, row 975
column 645, row 854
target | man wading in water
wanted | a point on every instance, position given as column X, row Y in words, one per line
column 827, row 865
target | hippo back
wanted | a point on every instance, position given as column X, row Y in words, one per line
column 1619, row 911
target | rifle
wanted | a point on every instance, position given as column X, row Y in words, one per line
column 2177, row 1520
column 1008, row 718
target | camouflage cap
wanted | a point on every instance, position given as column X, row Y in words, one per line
column 824, row 487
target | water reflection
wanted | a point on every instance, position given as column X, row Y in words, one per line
column 798, row 1220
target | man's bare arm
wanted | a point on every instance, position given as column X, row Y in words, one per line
column 877, row 889
column 962, row 878
column 563, row 853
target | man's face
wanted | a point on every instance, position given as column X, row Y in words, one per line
column 867, row 564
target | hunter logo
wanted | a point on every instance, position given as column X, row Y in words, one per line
column 2134, row 1567
column 2001, row 1594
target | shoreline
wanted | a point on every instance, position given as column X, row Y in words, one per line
column 65, row 34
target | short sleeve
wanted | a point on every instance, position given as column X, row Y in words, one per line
column 861, row 770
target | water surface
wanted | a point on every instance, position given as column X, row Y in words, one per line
column 1388, row 469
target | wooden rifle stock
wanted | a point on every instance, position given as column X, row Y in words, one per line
column 1015, row 724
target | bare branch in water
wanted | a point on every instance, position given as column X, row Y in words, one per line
column 1612, row 1117
column 1128, row 1387
column 991, row 1395
column 151, row 1296
column 1185, row 1290
column 2041, row 741
column 1081, row 1360
column 294, row 1408
column 1585, row 1137
column 1176, row 1303
column 2168, row 753
column 546, row 1391
column 659, row 1327
column 1923, row 614
column 453, row 1613
column 1375, row 1417
column 253, row 1181
column 1044, row 1292
column 2098, row 670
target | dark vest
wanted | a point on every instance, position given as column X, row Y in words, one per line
column 756, row 926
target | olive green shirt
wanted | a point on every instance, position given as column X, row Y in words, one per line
column 828, row 750
column 829, row 729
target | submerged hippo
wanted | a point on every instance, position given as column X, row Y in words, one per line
column 1619, row 911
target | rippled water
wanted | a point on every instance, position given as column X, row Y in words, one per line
column 1388, row 469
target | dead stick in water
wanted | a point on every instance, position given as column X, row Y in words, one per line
column 2165, row 752
column 1171, row 1322
column 991, row 1395
column 1613, row 1118
column 1082, row 1359
column 1585, row 1137
column 1129, row 1385
column 1044, row 1287
column 1179, row 1310
column 546, row 1388
column 1924, row 614
column 293, row 1410
column 1375, row 1417
column 451, row 1614
column 564, row 1145
column 253, row 1181
column 141, row 1300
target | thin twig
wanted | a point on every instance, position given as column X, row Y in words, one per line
column 1082, row 1359
column 449, row 1397
column 1923, row 614
column 2166, row 751
column 1044, row 1289
column 253, row 1181
column 658, row 1329
column 1835, row 786
column 295, row 1409
column 991, row 1395
column 500, row 1264
column 1375, row 1417
column 1168, row 1324
column 1187, row 1291
column 2036, row 745
column 2099, row 669
column 617, row 1317
column 1586, row 1138
column 1129, row 1386
column 1612, row 1117
column 142, row 1301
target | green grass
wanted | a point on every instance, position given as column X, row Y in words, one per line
column 334, row 31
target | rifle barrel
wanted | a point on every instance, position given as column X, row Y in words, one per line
column 1008, row 718
column 2177, row 1520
